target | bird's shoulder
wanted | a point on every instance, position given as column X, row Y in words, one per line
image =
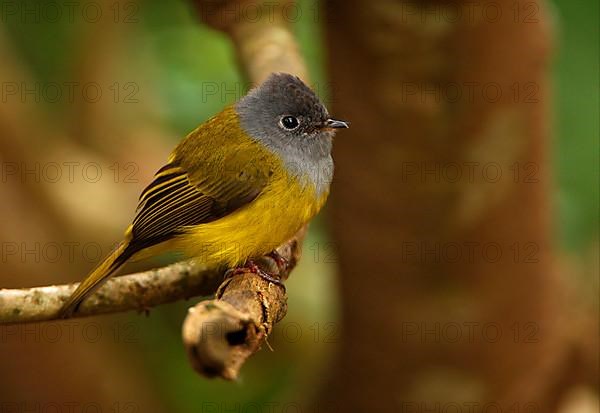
column 220, row 148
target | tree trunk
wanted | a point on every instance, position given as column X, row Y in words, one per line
column 441, row 208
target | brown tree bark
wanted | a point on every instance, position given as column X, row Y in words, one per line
column 431, row 95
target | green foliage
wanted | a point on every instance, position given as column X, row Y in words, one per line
column 578, row 112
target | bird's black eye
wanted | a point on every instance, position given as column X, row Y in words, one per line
column 289, row 122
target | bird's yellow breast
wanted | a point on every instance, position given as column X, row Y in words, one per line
column 281, row 209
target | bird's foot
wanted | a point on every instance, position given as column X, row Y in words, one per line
column 255, row 269
column 282, row 263
column 251, row 266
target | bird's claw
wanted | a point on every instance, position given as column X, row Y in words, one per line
column 255, row 269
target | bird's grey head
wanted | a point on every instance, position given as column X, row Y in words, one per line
column 287, row 117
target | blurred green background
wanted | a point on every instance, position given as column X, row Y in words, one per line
column 176, row 55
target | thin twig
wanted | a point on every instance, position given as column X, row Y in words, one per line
column 138, row 291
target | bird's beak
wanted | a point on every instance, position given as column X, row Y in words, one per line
column 336, row 124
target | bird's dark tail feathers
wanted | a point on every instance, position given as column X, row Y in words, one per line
column 98, row 276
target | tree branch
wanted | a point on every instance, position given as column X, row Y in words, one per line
column 220, row 334
column 129, row 292
column 138, row 291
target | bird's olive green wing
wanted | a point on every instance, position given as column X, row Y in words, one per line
column 197, row 189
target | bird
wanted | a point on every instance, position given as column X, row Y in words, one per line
column 236, row 187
